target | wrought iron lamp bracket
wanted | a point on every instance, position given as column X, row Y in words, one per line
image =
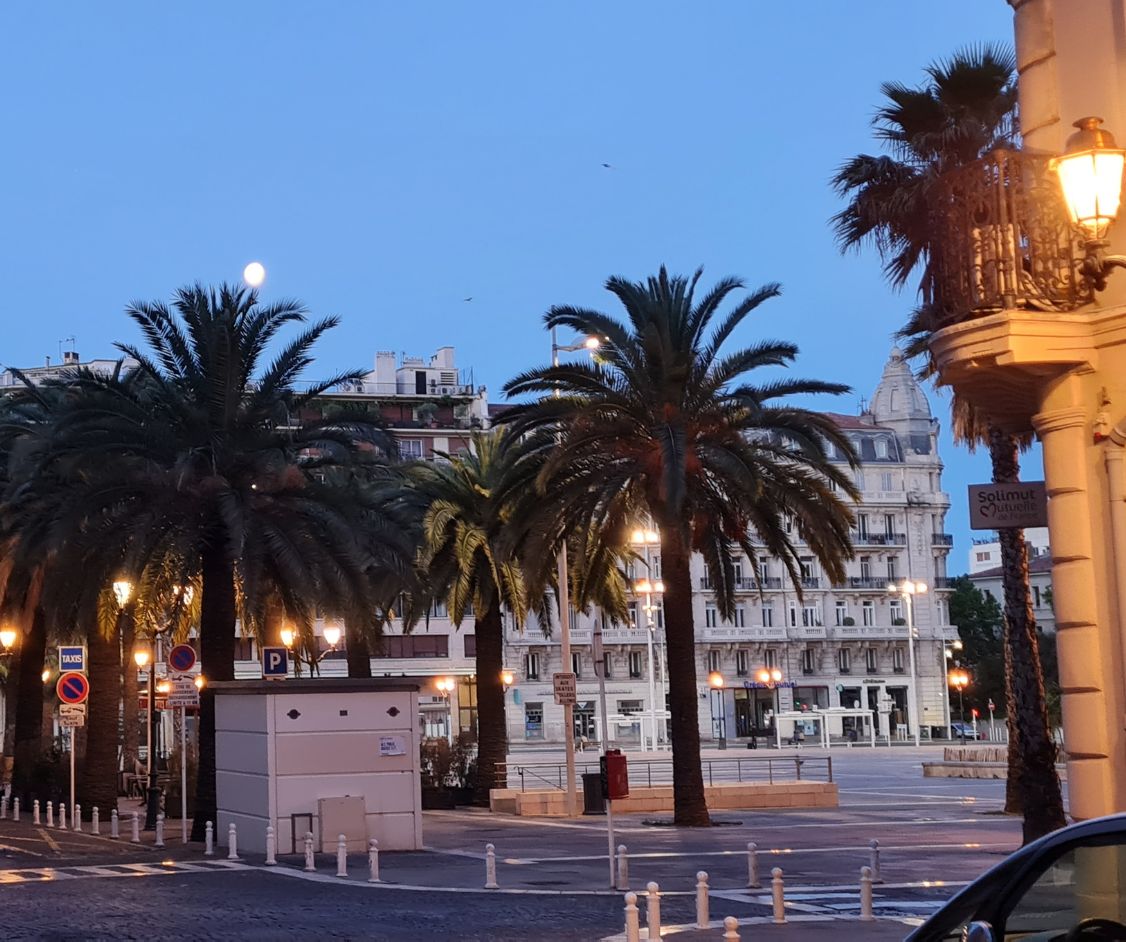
column 1097, row 264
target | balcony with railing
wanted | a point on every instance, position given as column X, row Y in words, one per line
column 942, row 539
column 879, row 539
column 743, row 633
column 811, row 582
column 869, row 583
column 746, row 584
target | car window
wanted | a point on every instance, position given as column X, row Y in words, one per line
column 1085, row 882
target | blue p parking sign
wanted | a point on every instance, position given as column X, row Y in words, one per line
column 275, row 662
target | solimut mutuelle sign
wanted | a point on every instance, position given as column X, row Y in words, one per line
column 1008, row 506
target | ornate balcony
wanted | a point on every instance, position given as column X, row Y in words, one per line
column 1003, row 241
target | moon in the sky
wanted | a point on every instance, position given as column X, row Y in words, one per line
column 254, row 274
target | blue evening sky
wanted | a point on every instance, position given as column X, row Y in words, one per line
column 386, row 160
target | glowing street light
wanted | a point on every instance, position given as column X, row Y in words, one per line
column 507, row 678
column 8, row 636
column 332, row 634
column 288, row 636
column 122, row 592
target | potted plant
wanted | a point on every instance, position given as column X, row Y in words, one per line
column 848, row 621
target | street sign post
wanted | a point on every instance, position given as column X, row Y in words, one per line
column 72, row 657
column 275, row 663
column 564, row 684
column 1008, row 506
column 181, row 658
column 73, row 687
column 72, row 714
column 184, row 693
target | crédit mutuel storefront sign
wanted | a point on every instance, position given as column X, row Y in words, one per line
column 1008, row 506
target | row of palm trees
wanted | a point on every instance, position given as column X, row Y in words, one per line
column 213, row 494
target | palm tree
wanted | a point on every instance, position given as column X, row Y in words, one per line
column 471, row 557
column 665, row 423
column 209, row 450
column 967, row 108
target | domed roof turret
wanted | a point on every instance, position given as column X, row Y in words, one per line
column 898, row 396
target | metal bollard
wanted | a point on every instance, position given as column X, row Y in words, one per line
column 373, row 861
column 752, row 865
column 490, row 867
column 866, row 894
column 15, row 809
column 310, row 858
column 730, row 929
column 209, row 840
column 3, row 807
column 76, row 820
column 114, row 825
column 778, row 890
column 232, row 841
column 341, row 855
column 874, row 860
column 62, row 815
column 159, row 841
column 633, row 924
column 271, row 847
column 95, row 822
column 50, row 814
column 623, row 868
column 135, row 837
column 652, row 911
column 702, row 919
column 34, row 811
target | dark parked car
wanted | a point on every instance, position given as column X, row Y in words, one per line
column 1067, row 887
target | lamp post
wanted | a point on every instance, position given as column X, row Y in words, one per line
column 948, row 654
column 959, row 680
column 145, row 660
column 8, row 638
column 907, row 590
column 719, row 714
column 648, row 538
column 445, row 687
column 589, row 343
column 771, row 677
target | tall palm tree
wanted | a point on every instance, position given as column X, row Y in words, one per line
column 966, row 108
column 667, row 424
column 216, row 451
column 471, row 557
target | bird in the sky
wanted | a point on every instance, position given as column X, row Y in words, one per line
column 470, row 298
column 608, row 166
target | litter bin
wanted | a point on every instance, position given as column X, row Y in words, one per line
column 593, row 800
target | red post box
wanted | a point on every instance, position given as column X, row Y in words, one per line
column 615, row 778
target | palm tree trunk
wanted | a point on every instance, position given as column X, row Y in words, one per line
column 492, row 735
column 690, row 805
column 1038, row 784
column 217, row 662
column 29, row 704
column 1012, row 778
column 97, row 784
column 356, row 650
column 130, row 691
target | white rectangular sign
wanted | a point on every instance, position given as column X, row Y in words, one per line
column 392, row 745
column 565, row 687
column 184, row 693
column 72, row 709
column 1008, row 506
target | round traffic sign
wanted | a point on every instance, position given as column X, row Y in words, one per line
column 181, row 658
column 73, row 687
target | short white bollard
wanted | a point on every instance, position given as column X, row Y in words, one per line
column 874, row 860
column 341, row 855
column 702, row 918
column 3, row 807
column 652, row 911
column 62, row 815
column 16, row 809
column 752, row 865
column 114, row 825
column 34, row 811
column 623, row 868
column 135, row 837
column 490, row 867
column 633, row 919
column 866, row 894
column 373, row 861
column 310, row 858
column 95, row 822
column 159, row 842
column 50, row 814
column 76, row 821
column 730, row 929
column 232, row 841
column 271, row 847
column 209, row 840
column 778, row 890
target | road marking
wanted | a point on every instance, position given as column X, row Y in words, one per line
column 102, row 871
column 50, row 841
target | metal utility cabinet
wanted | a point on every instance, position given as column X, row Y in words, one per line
column 331, row 756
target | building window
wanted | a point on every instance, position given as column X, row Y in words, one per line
column 859, row 478
column 709, row 615
column 740, row 617
column 882, row 449
column 893, row 566
column 844, row 661
column 439, row 610
column 713, row 660
column 632, row 609
column 607, row 666
column 737, row 568
column 414, row 646
column 862, row 525
column 871, row 660
column 807, row 567
column 889, row 524
column 576, row 664
column 1036, row 595
column 533, row 721
column 982, row 557
column 629, row 707
column 842, row 612
column 810, row 616
column 655, row 567
column 634, row 664
column 470, row 642
column 868, row 609
column 410, row 447
column 807, row 661
column 657, row 613
column 770, row 658
column 741, row 664
column 865, row 567
column 897, row 660
column 764, row 571
column 885, row 481
column 896, row 607
column 768, row 615
column 532, row 666
column 793, row 614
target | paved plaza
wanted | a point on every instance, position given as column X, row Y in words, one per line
column 934, row 835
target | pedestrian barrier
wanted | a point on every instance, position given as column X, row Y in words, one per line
column 159, row 841
column 34, row 811
column 752, row 865
column 16, row 809
column 3, row 807
column 62, row 816
column 310, row 858
column 778, row 893
column 95, row 822
column 623, row 868
column 652, row 910
column 76, row 821
column 633, row 925
column 373, row 861
column 232, row 842
column 341, row 856
column 874, row 860
column 490, row 867
column 50, row 814
column 271, row 847
column 866, row 894
column 702, row 900
column 209, row 840
column 730, row 929
column 135, row 837
column 114, row 825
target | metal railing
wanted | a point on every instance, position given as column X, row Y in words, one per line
column 880, row 539
column 650, row 772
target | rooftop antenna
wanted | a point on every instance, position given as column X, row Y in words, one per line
column 66, row 340
column 863, row 405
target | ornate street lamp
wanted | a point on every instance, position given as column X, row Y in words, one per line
column 959, row 680
column 719, row 714
column 8, row 638
column 907, row 590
